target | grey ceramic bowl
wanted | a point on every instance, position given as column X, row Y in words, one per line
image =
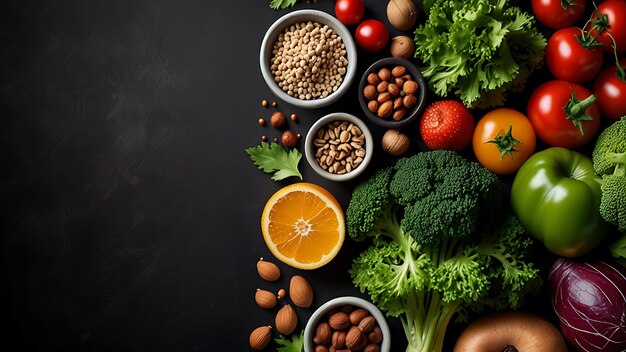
column 320, row 313
column 309, row 146
column 304, row 16
column 412, row 114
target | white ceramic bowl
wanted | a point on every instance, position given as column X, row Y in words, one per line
column 309, row 147
column 311, row 325
column 304, row 16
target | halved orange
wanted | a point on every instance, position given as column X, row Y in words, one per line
column 303, row 225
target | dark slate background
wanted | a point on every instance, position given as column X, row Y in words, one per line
column 131, row 217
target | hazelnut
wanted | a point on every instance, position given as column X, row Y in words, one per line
column 289, row 139
column 395, row 143
column 399, row 81
column 410, row 87
column 373, row 79
column 370, row 92
column 278, row 119
column 398, row 114
column 393, row 89
column 265, row 103
column 261, row 122
column 402, row 46
column 397, row 103
column 274, row 104
column 294, row 117
column 409, row 101
column 263, row 138
column 372, row 106
column 384, row 74
column 382, row 86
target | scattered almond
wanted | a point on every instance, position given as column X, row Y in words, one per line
column 300, row 292
column 260, row 337
column 267, row 270
column 286, row 320
column 265, row 299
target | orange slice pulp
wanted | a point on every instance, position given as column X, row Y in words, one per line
column 303, row 225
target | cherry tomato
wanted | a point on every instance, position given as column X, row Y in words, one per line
column 371, row 35
column 615, row 11
column 570, row 60
column 611, row 92
column 503, row 140
column 561, row 120
column 558, row 14
column 349, row 12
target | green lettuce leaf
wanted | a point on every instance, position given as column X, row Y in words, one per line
column 272, row 158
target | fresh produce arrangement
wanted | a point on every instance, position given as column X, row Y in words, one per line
column 509, row 185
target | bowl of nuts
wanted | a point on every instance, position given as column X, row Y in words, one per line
column 392, row 92
column 308, row 58
column 347, row 323
column 339, row 146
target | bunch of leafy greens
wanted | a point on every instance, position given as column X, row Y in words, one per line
column 296, row 344
column 477, row 49
column 274, row 159
column 440, row 244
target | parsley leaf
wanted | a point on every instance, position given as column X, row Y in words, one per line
column 282, row 4
column 295, row 345
column 272, row 158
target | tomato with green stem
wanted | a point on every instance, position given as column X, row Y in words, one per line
column 564, row 114
column 610, row 89
column 503, row 140
column 558, row 14
column 608, row 23
column 574, row 56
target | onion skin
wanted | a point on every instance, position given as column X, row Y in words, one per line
column 590, row 301
column 524, row 331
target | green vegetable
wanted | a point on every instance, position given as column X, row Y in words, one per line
column 272, row 158
column 439, row 244
column 281, row 4
column 609, row 161
column 556, row 196
column 296, row 344
column 478, row 49
column 618, row 248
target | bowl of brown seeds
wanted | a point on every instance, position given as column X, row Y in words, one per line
column 308, row 58
column 339, row 146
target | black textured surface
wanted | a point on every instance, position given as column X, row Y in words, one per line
column 131, row 210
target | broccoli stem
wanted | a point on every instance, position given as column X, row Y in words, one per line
column 619, row 159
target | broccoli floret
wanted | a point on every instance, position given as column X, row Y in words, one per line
column 609, row 160
column 430, row 260
column 444, row 195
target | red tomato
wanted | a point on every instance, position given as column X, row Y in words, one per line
column 349, row 12
column 569, row 60
column 611, row 92
column 448, row 125
column 553, row 124
column 503, row 140
column 615, row 11
column 371, row 35
column 558, row 13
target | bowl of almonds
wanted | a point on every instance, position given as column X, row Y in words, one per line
column 339, row 146
column 392, row 92
column 347, row 324
column 308, row 58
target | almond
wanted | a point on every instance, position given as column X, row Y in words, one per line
column 371, row 348
column 267, row 270
column 339, row 321
column 260, row 337
column 367, row 324
column 385, row 109
column 323, row 334
column 286, row 320
column 398, row 71
column 321, row 348
column 357, row 315
column 339, row 339
column 376, row 336
column 300, row 292
column 355, row 340
column 265, row 299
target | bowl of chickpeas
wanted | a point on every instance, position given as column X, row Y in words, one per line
column 308, row 59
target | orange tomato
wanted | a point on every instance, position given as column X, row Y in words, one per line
column 503, row 140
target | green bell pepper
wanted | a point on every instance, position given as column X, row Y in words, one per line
column 556, row 196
